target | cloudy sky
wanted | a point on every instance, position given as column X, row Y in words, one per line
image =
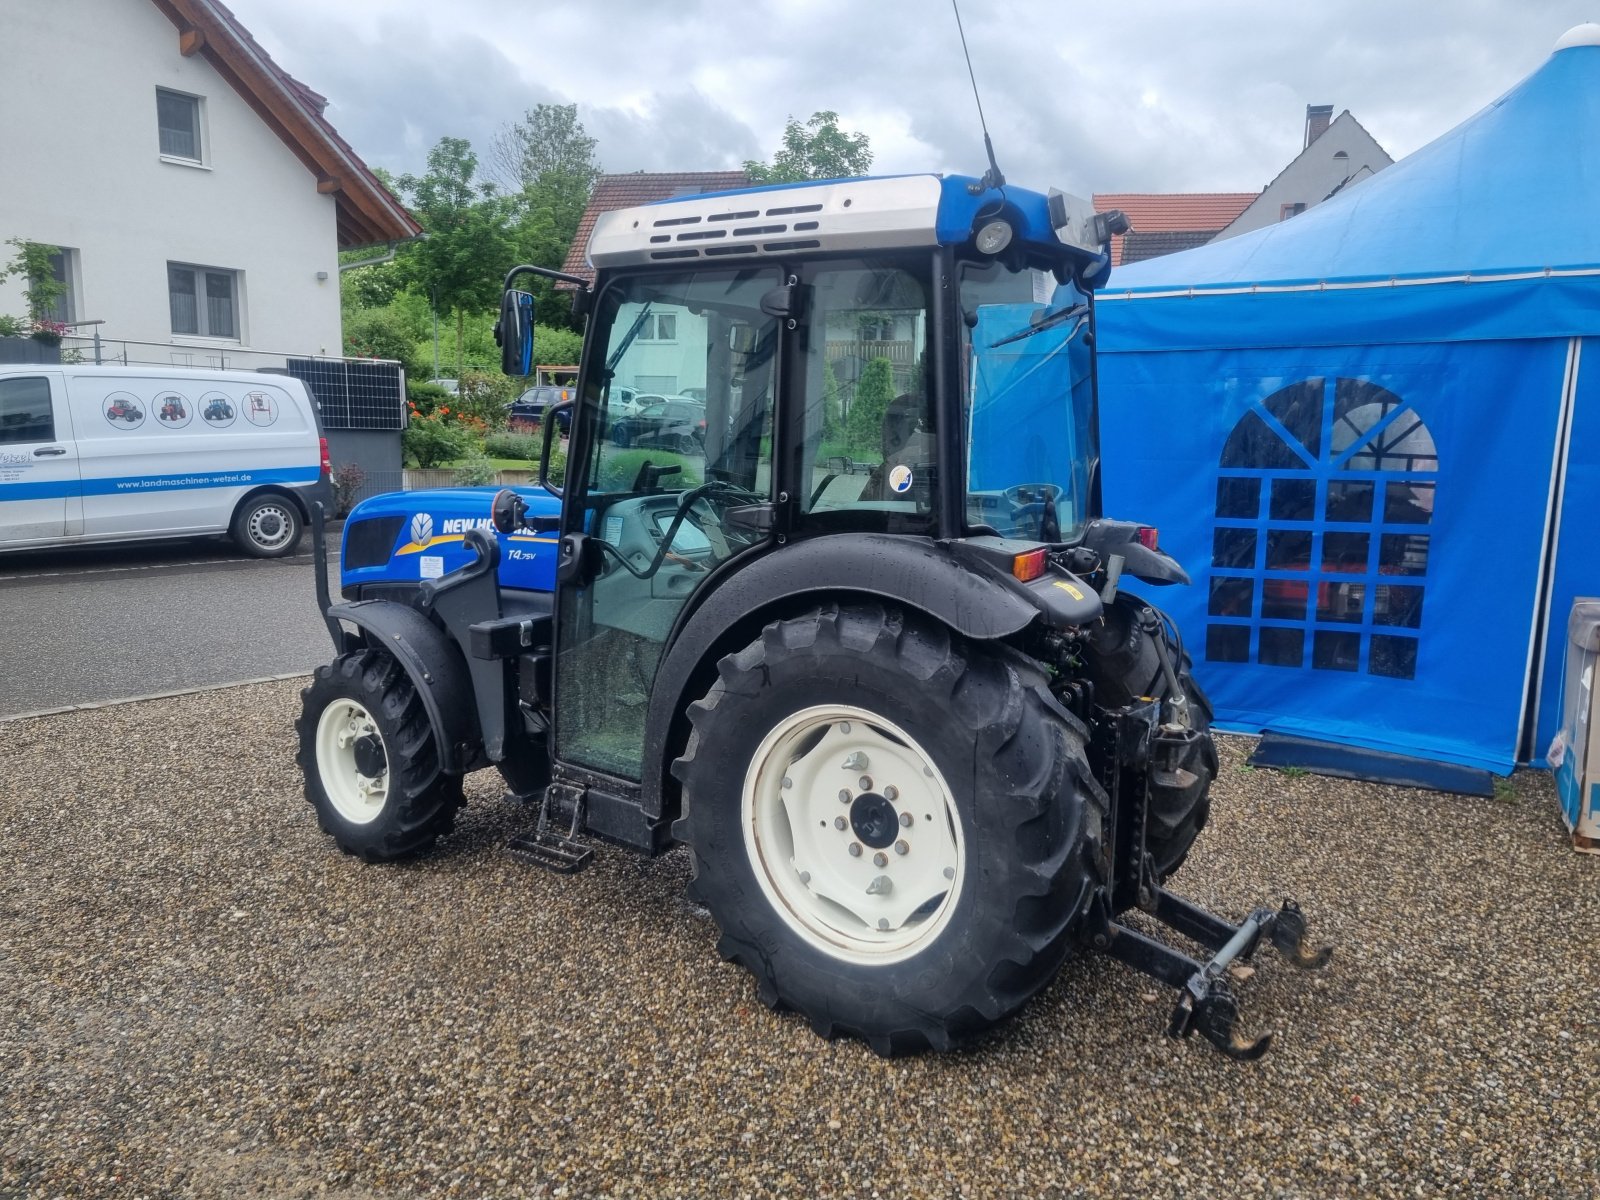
column 1135, row 95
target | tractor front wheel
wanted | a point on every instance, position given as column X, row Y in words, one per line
column 371, row 762
column 895, row 830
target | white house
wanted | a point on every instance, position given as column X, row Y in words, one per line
column 198, row 193
column 1337, row 153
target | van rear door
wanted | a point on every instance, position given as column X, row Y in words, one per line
column 39, row 487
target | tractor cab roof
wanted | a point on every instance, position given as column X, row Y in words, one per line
column 1047, row 231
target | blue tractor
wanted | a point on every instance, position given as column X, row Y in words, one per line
column 863, row 646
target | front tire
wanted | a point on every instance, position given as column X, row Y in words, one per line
column 912, row 933
column 371, row 762
column 267, row 526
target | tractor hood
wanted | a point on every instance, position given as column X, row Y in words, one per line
column 404, row 537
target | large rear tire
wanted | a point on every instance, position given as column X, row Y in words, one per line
column 1126, row 667
column 371, row 761
column 895, row 830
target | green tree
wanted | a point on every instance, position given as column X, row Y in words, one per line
column 547, row 160
column 832, row 405
column 874, row 391
column 469, row 245
column 819, row 149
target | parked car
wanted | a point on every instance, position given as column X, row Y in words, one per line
column 453, row 386
column 113, row 454
column 526, row 412
column 675, row 423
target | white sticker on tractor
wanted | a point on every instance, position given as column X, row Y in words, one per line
column 900, row 478
column 432, row 566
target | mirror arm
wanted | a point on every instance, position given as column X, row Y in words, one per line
column 550, row 425
column 546, row 272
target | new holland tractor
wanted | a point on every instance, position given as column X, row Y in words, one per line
column 865, row 648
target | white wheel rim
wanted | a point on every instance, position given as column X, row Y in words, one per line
column 356, row 797
column 836, row 764
column 270, row 525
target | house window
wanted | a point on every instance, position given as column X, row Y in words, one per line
column 659, row 327
column 178, row 119
column 204, row 300
column 1325, row 501
column 65, row 308
column 1290, row 210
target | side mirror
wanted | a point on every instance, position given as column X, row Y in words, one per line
column 514, row 332
column 507, row 511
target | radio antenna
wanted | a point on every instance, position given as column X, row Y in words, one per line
column 992, row 178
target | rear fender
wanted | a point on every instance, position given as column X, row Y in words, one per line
column 436, row 667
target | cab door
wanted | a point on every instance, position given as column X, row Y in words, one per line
column 661, row 511
column 39, row 486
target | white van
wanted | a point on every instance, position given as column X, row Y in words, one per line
column 112, row 454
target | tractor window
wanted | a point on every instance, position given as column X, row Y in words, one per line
column 1029, row 401
column 867, row 447
column 667, row 467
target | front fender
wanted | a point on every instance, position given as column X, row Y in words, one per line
column 435, row 666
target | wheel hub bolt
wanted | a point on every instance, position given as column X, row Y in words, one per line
column 902, row 847
column 905, row 819
column 844, row 795
column 840, row 823
column 855, row 849
column 865, row 783
column 891, row 792
column 883, row 924
column 949, row 872
column 881, row 886
column 844, row 726
column 880, row 859
column 787, row 782
column 857, row 761
column 805, row 876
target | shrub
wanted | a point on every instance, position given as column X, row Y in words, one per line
column 619, row 468
column 513, row 445
column 376, row 333
column 474, row 471
column 557, row 472
column 425, row 397
column 12, row 326
column 431, row 442
column 348, row 479
column 864, row 426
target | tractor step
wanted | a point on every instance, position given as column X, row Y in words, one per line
column 1205, row 1004
column 549, row 847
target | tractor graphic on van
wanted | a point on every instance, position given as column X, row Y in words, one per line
column 123, row 407
column 172, row 409
column 218, row 410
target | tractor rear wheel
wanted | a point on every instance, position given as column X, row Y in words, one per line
column 371, row 761
column 895, row 830
column 1125, row 667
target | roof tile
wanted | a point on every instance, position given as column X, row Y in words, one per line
column 1173, row 212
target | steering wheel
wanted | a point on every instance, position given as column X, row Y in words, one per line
column 1036, row 500
column 717, row 488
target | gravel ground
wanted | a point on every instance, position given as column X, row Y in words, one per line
column 202, row 997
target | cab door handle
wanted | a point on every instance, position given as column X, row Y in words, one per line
column 45, row 451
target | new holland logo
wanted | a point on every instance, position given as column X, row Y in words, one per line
column 421, row 529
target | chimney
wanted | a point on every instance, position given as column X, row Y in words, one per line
column 1318, row 118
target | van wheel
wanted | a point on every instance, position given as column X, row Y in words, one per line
column 267, row 527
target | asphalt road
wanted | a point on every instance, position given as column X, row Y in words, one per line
column 94, row 625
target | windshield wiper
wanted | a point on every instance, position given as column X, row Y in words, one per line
column 638, row 324
column 1039, row 323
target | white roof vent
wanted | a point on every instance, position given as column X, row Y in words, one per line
column 1579, row 35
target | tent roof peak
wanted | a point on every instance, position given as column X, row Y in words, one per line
column 1587, row 34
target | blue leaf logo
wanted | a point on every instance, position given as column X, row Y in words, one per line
column 421, row 529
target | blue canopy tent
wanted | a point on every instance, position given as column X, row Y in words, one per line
column 1372, row 435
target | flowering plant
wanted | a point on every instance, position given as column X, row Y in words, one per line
column 51, row 332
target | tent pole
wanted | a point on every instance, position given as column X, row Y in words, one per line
column 1533, row 678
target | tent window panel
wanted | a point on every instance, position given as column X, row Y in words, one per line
column 1232, row 597
column 1254, row 444
column 1234, row 548
column 1284, row 599
column 1408, row 504
column 1397, row 604
column 1341, row 602
column 1288, row 549
column 1345, row 553
column 1298, row 408
column 1239, row 498
column 1294, row 500
column 1336, row 651
column 1283, row 647
column 1228, row 643
column 1349, row 502
column 1403, row 554
column 1359, row 407
column 1394, row 657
